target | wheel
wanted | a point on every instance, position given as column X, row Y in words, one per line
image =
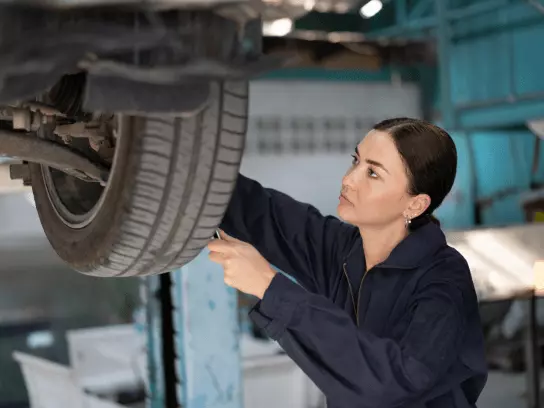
column 168, row 189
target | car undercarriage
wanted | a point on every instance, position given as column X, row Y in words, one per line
column 128, row 119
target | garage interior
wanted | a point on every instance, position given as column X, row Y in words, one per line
column 184, row 340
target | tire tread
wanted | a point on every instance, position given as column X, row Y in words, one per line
column 187, row 173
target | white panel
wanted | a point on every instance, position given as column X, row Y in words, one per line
column 318, row 116
column 314, row 179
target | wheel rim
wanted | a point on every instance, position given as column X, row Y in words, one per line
column 77, row 202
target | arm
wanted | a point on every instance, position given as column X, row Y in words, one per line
column 291, row 235
column 353, row 367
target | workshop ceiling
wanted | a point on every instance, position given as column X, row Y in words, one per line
column 331, row 34
column 350, row 19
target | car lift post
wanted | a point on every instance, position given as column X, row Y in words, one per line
column 193, row 338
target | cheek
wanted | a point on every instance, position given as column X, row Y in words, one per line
column 375, row 202
column 379, row 197
column 369, row 190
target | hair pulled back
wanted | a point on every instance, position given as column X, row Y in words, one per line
column 430, row 158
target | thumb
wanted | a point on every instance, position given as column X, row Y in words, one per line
column 226, row 237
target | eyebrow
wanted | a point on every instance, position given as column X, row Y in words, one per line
column 372, row 162
column 377, row 164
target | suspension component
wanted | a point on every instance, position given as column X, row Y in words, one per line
column 29, row 148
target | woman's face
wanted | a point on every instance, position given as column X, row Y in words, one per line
column 375, row 188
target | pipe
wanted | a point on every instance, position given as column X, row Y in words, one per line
column 473, row 10
column 30, row 148
column 444, row 52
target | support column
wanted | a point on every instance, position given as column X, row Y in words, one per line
column 443, row 32
column 150, row 294
column 205, row 319
column 193, row 339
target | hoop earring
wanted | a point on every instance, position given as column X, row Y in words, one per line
column 407, row 221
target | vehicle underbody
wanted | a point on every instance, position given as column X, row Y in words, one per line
column 129, row 121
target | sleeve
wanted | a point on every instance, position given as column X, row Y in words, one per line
column 293, row 236
column 354, row 368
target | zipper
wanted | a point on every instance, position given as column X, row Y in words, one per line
column 359, row 297
column 355, row 305
column 351, row 292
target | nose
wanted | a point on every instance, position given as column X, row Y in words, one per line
column 350, row 179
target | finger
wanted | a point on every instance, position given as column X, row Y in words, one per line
column 219, row 245
column 229, row 281
column 217, row 257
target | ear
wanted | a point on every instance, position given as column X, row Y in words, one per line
column 417, row 206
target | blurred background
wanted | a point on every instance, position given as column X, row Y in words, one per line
column 474, row 67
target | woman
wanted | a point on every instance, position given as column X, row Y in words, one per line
column 384, row 313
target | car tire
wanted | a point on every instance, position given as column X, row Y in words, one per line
column 169, row 187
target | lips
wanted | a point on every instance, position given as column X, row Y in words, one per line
column 342, row 196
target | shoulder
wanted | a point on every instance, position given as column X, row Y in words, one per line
column 448, row 257
column 448, row 268
column 446, row 285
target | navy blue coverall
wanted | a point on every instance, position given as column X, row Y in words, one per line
column 404, row 334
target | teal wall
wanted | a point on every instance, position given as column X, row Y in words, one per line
column 495, row 83
column 495, row 65
column 492, row 71
column 491, row 162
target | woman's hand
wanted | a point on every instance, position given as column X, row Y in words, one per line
column 244, row 267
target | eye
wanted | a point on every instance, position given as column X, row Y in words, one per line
column 355, row 160
column 372, row 173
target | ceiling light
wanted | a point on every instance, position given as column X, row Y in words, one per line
column 371, row 8
column 309, row 5
column 278, row 28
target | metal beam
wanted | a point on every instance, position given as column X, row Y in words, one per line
column 444, row 65
column 532, row 356
column 452, row 15
column 510, row 17
column 155, row 378
column 401, row 11
column 495, row 114
column 29, row 147
column 420, row 9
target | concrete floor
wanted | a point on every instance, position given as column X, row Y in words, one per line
column 504, row 390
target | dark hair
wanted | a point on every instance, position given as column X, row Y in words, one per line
column 430, row 157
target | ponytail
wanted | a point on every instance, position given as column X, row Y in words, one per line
column 422, row 220
column 433, row 219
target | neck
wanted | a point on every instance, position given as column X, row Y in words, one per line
column 378, row 243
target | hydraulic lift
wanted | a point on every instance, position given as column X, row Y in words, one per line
column 193, row 338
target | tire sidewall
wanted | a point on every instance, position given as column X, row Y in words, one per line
column 84, row 248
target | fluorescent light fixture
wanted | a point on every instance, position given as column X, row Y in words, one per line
column 277, row 28
column 371, row 8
